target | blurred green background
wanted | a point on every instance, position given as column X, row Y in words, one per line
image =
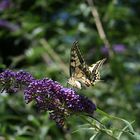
column 37, row 35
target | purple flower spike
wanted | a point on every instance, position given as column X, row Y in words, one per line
column 62, row 102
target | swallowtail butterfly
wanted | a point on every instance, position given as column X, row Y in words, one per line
column 80, row 73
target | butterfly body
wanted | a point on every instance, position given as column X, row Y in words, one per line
column 80, row 73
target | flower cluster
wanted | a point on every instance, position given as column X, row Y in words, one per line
column 13, row 81
column 48, row 95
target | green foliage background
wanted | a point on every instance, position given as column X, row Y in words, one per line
column 37, row 36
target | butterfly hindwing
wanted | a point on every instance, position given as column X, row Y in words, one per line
column 94, row 68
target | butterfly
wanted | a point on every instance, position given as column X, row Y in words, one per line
column 80, row 73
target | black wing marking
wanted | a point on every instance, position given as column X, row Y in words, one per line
column 76, row 59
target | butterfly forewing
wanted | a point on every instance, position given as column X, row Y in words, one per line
column 76, row 60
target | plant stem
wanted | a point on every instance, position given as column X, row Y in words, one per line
column 100, row 27
column 98, row 128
